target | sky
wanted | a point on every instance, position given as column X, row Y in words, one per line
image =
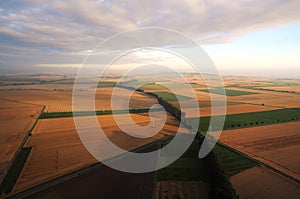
column 242, row 37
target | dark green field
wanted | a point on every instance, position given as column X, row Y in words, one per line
column 14, row 171
column 106, row 84
column 170, row 97
column 244, row 120
column 233, row 163
column 187, row 168
column 190, row 168
column 228, row 92
column 203, row 103
column 153, row 87
column 19, row 79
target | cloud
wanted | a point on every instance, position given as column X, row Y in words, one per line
column 69, row 28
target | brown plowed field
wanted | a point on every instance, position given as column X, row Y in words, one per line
column 262, row 183
column 181, row 189
column 232, row 109
column 101, row 182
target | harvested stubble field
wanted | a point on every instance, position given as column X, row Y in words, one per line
column 112, row 184
column 261, row 183
column 284, row 88
column 270, row 98
column 253, row 96
column 228, row 92
column 57, row 148
column 16, row 119
column 58, row 101
column 276, row 145
column 230, row 109
column 258, row 81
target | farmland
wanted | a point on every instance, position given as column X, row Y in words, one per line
column 233, row 163
column 294, row 89
column 245, row 120
column 276, row 145
column 261, row 183
column 230, row 110
column 228, row 92
column 14, row 171
column 182, row 189
column 270, row 98
column 57, row 149
column 170, row 97
column 136, row 186
column 16, row 120
column 47, row 115
column 187, row 168
column 260, row 136
column 185, row 174
column 153, row 87
column 59, row 101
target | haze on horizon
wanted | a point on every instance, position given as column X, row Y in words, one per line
column 249, row 38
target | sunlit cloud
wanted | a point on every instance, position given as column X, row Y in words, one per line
column 35, row 31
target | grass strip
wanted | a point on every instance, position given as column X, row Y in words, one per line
column 14, row 171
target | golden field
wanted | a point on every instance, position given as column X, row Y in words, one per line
column 16, row 119
column 57, row 148
column 277, row 145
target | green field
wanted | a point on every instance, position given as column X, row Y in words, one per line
column 153, row 87
column 207, row 104
column 187, row 168
column 106, row 84
column 133, row 83
column 14, row 171
column 244, row 120
column 170, row 97
column 228, row 92
column 232, row 162
column 18, row 79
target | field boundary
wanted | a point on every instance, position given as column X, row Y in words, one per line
column 26, row 137
column 76, row 173
column 14, row 171
column 264, row 89
column 259, row 162
column 65, row 114
column 251, row 119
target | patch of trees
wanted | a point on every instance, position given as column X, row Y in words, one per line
column 170, row 107
column 220, row 186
